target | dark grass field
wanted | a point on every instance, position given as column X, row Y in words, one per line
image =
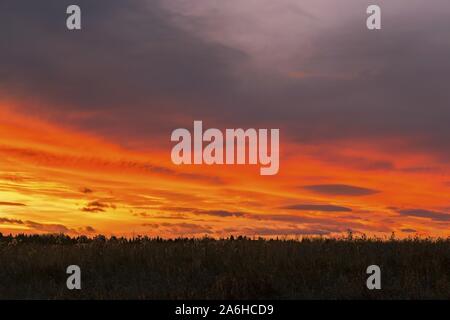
column 34, row 267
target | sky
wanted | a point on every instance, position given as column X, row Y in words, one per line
column 86, row 117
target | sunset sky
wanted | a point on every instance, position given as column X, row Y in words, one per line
column 86, row 117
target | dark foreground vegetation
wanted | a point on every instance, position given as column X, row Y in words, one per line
column 34, row 267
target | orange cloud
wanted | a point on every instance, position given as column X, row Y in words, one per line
column 58, row 179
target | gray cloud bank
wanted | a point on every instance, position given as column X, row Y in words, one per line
column 140, row 68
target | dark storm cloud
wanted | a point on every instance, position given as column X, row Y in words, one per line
column 423, row 213
column 368, row 84
column 128, row 62
column 318, row 207
column 378, row 84
column 340, row 190
column 125, row 53
column 142, row 71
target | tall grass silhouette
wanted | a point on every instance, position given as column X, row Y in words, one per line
column 33, row 267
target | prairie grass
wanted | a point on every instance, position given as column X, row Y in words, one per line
column 34, row 267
